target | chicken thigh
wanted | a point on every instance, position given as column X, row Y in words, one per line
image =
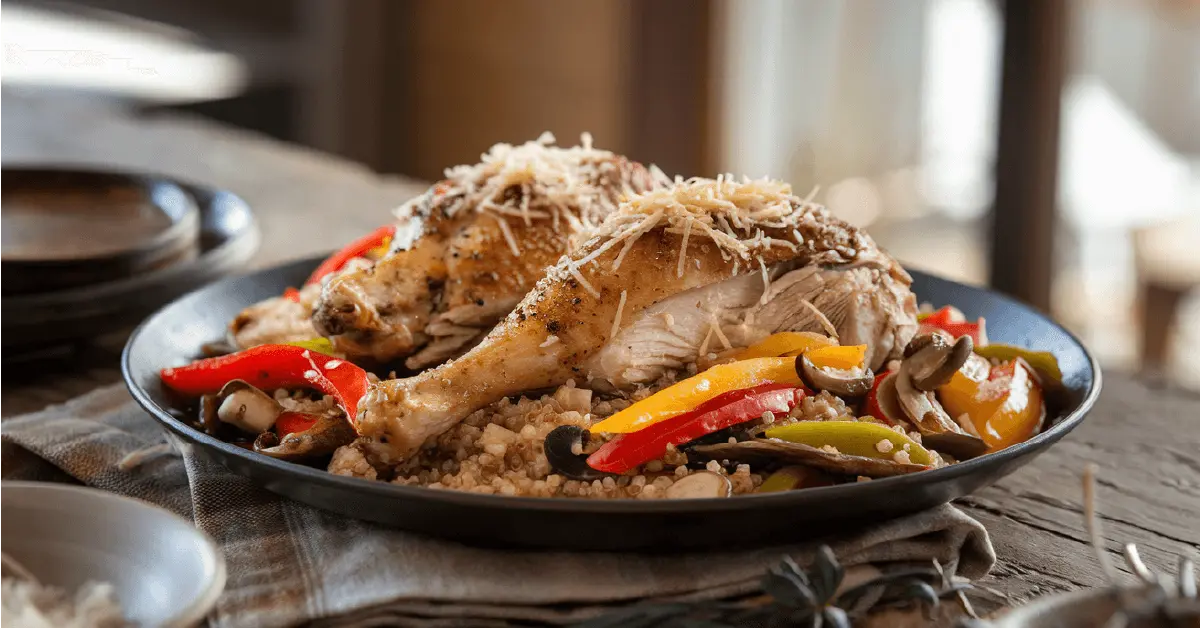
column 662, row 277
column 468, row 249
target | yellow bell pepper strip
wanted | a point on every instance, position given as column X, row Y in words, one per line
column 838, row 357
column 320, row 345
column 274, row 366
column 1004, row 403
column 793, row 478
column 965, row 392
column 683, row 396
column 1042, row 361
column 784, row 343
column 1021, row 414
column 627, row 451
column 856, row 438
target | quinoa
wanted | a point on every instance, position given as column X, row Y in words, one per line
column 302, row 401
column 499, row 450
column 349, row 460
column 820, row 407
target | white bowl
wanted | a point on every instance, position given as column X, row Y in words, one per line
column 164, row 571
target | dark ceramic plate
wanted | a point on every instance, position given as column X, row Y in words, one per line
column 71, row 228
column 174, row 335
column 228, row 237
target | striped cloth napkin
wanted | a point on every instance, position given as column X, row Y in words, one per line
column 290, row 564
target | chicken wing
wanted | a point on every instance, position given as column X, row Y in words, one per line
column 662, row 277
column 468, row 249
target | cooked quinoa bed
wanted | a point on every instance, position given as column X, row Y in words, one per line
column 499, row 450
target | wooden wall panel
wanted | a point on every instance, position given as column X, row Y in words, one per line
column 480, row 71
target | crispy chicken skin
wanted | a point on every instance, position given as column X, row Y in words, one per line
column 275, row 321
column 736, row 240
column 468, row 249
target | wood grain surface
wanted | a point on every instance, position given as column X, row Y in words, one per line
column 1145, row 440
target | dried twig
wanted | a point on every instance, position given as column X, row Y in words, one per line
column 1092, row 521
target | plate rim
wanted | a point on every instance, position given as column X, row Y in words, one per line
column 616, row 506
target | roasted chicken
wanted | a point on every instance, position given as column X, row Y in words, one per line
column 675, row 274
column 276, row 320
column 467, row 250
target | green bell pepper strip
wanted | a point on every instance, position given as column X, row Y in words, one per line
column 856, row 438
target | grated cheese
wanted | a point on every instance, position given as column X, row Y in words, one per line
column 616, row 326
column 573, row 187
column 508, row 235
column 583, row 282
column 704, row 344
column 715, row 328
column 821, row 318
column 687, row 232
column 729, row 213
column 766, row 281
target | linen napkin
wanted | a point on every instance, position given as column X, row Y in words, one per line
column 291, row 564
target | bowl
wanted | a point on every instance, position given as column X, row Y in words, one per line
column 164, row 571
column 174, row 336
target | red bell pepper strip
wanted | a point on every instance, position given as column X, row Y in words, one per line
column 290, row 422
column 627, row 451
column 946, row 314
column 977, row 330
column 357, row 248
column 873, row 407
column 292, row 294
column 274, row 366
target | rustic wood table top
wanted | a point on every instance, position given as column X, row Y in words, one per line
column 1145, row 439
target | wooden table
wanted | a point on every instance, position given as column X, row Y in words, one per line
column 1145, row 440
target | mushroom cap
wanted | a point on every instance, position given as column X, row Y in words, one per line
column 331, row 431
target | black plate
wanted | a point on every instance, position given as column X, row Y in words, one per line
column 174, row 335
column 228, row 238
column 66, row 228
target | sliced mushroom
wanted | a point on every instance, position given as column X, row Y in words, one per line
column 247, row 407
column 841, row 383
column 701, row 485
column 961, row 446
column 781, row 451
column 331, row 431
column 938, row 361
column 920, row 341
column 564, row 451
column 921, row 407
column 208, row 414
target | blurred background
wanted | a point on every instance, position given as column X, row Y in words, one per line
column 1050, row 148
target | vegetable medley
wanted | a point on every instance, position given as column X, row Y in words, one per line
column 953, row 396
